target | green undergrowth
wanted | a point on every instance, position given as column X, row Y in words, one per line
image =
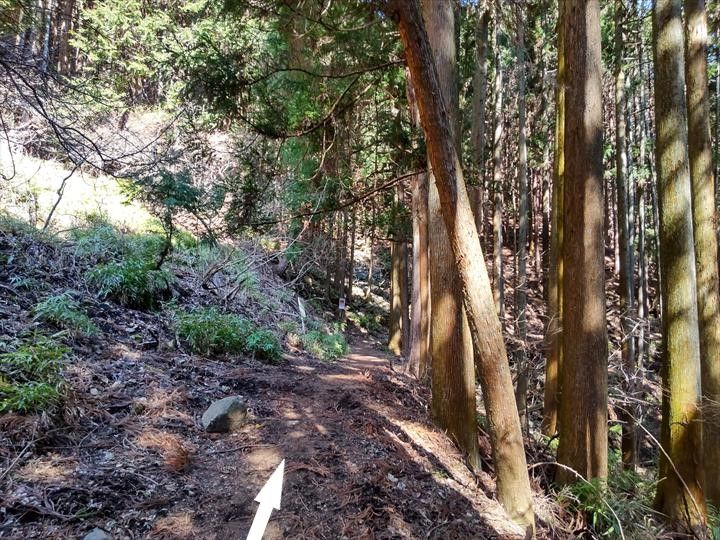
column 132, row 283
column 30, row 376
column 122, row 266
column 209, row 331
column 63, row 311
column 320, row 341
column 714, row 521
column 325, row 345
column 366, row 320
column 622, row 507
column 126, row 264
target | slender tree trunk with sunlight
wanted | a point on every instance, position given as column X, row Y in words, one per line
column 553, row 328
column 679, row 492
column 706, row 249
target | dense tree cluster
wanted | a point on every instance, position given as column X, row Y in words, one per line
column 572, row 145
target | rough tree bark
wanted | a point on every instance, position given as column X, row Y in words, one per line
column 419, row 363
column 419, row 360
column 523, row 218
column 706, row 249
column 477, row 134
column 553, row 329
column 583, row 419
column 453, row 372
column 513, row 483
column 679, row 493
column 498, row 281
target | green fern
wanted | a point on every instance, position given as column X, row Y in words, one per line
column 132, row 283
column 64, row 311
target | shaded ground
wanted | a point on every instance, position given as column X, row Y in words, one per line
column 361, row 459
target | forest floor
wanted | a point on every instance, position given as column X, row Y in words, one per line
column 127, row 452
column 362, row 460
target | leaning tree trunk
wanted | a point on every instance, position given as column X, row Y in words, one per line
column 583, row 419
column 453, row 372
column 513, row 484
column 706, row 249
column 679, row 492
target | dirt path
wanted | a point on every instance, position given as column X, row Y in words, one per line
column 362, row 461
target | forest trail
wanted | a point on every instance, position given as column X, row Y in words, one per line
column 361, row 459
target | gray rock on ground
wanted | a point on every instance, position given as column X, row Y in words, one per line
column 225, row 414
column 97, row 534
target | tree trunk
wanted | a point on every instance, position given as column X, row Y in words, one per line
column 513, row 483
column 498, row 290
column 453, row 373
column 395, row 328
column 521, row 287
column 626, row 285
column 478, row 110
column 583, row 440
column 706, row 249
column 404, row 300
column 371, row 262
column 419, row 364
column 351, row 260
column 679, row 492
column 553, row 328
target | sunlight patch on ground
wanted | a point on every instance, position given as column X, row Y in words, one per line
column 264, row 458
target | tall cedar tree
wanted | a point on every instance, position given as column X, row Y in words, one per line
column 553, row 329
column 583, row 440
column 626, row 282
column 706, row 249
column 679, row 492
column 513, row 483
column 419, row 360
column 453, row 371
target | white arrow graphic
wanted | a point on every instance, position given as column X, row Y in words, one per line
column 269, row 498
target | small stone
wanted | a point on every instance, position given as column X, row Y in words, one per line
column 97, row 534
column 225, row 414
column 94, row 391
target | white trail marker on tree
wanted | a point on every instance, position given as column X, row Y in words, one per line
column 269, row 498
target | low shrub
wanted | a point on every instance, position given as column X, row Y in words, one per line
column 133, row 283
column 263, row 344
column 63, row 311
column 30, row 376
column 99, row 240
column 27, row 397
column 622, row 507
column 368, row 321
column 210, row 332
column 324, row 345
